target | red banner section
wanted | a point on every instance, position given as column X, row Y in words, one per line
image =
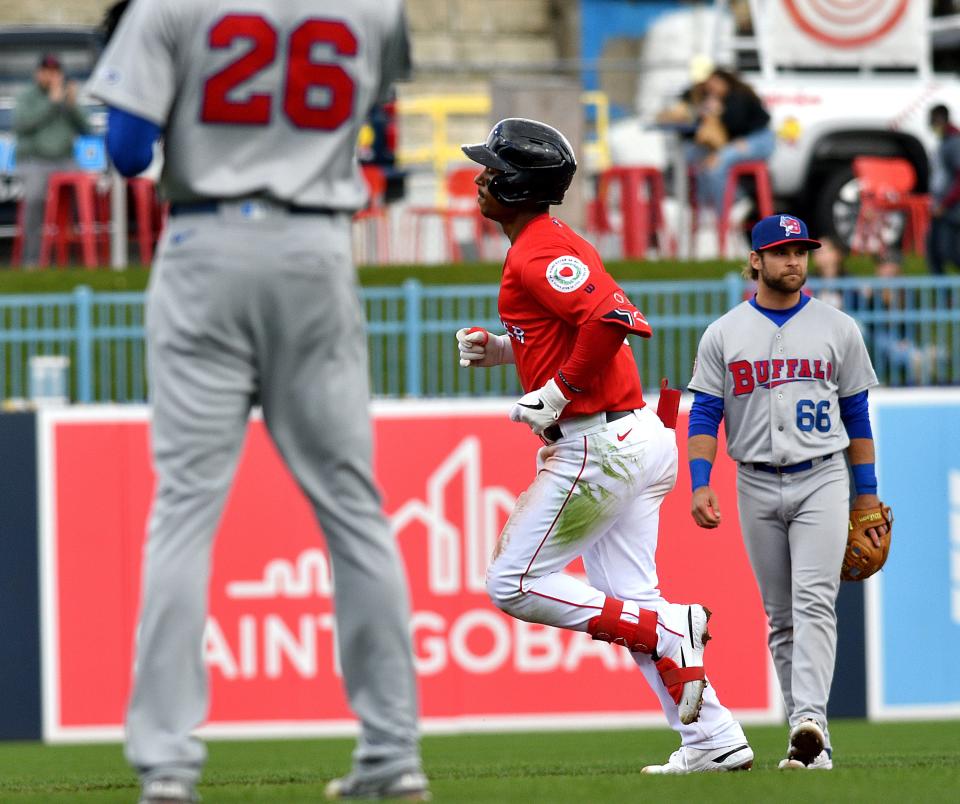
column 450, row 476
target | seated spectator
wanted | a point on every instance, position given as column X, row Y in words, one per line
column 46, row 121
column 943, row 239
column 828, row 264
column 889, row 337
column 733, row 127
column 683, row 113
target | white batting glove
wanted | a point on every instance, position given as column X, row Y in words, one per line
column 478, row 347
column 539, row 408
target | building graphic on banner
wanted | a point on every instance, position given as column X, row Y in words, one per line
column 457, row 552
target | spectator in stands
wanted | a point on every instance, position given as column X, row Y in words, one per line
column 890, row 335
column 734, row 127
column 828, row 265
column 46, row 121
column 943, row 240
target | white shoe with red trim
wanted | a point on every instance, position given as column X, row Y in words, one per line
column 710, row 760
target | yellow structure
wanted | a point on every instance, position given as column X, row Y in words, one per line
column 442, row 151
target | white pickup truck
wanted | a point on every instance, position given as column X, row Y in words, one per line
column 840, row 80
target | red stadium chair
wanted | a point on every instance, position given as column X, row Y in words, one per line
column 375, row 214
column 461, row 205
column 642, row 221
column 71, row 195
column 759, row 179
column 757, row 171
column 886, row 185
column 149, row 214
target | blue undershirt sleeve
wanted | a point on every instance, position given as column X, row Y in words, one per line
column 130, row 141
column 705, row 415
column 855, row 414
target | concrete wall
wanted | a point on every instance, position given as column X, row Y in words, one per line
column 52, row 11
column 445, row 32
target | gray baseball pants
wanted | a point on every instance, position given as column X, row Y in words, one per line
column 795, row 530
column 263, row 307
column 35, row 173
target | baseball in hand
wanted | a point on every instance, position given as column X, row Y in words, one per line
column 481, row 340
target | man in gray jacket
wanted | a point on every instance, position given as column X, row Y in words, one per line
column 943, row 241
column 46, row 121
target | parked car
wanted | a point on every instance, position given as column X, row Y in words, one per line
column 862, row 92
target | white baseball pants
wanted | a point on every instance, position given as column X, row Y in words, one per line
column 597, row 495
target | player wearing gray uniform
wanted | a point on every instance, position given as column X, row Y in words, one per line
column 253, row 298
column 789, row 376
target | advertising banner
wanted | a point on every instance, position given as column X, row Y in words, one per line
column 450, row 473
column 913, row 605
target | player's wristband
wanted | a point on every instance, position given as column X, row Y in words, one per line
column 700, row 472
column 864, row 478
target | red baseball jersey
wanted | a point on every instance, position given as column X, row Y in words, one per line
column 553, row 283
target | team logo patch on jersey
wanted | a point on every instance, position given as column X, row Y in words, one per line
column 567, row 273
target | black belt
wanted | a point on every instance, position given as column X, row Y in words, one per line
column 213, row 206
column 803, row 466
column 554, row 433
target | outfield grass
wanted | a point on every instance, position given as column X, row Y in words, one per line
column 135, row 277
column 902, row 762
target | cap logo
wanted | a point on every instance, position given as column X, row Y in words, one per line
column 567, row 273
column 791, row 226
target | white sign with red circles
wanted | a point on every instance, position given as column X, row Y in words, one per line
column 849, row 33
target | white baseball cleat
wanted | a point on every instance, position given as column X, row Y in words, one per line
column 710, row 760
column 682, row 671
column 823, row 761
column 806, row 741
column 407, row 787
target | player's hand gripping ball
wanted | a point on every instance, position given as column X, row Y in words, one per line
column 863, row 558
column 478, row 347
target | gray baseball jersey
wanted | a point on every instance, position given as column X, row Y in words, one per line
column 251, row 299
column 781, row 385
column 257, row 98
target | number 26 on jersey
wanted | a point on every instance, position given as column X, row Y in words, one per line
column 304, row 81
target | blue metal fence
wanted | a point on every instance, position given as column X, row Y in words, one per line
column 911, row 325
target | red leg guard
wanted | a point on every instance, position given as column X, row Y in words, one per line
column 674, row 677
column 639, row 637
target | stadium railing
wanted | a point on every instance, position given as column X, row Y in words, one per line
column 911, row 325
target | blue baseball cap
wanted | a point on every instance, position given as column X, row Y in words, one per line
column 775, row 230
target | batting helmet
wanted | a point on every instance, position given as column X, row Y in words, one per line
column 536, row 161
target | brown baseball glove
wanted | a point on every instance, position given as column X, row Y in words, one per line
column 863, row 558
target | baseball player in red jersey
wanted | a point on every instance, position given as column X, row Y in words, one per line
column 608, row 460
